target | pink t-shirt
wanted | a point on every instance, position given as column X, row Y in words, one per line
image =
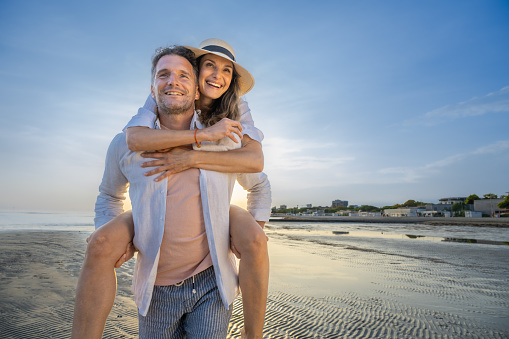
column 184, row 249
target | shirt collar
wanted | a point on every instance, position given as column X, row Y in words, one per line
column 195, row 121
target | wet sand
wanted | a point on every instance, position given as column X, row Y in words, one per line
column 319, row 288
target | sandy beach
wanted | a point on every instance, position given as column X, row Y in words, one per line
column 320, row 287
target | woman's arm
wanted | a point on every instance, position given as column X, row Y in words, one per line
column 247, row 159
column 142, row 135
column 147, row 139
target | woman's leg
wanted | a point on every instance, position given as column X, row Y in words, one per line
column 250, row 241
column 97, row 283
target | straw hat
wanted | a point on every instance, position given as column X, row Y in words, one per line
column 223, row 49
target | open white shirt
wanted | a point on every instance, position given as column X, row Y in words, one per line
column 148, row 199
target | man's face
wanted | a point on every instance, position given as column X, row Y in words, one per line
column 174, row 86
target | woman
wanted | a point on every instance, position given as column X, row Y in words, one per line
column 220, row 87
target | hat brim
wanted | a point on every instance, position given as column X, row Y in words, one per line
column 246, row 80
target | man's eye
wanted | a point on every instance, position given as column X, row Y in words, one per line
column 164, row 75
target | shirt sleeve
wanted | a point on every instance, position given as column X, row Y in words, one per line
column 259, row 194
column 247, row 122
column 110, row 201
column 145, row 116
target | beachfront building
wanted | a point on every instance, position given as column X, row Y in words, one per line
column 309, row 205
column 451, row 201
column 487, row 206
column 339, row 203
column 436, row 210
column 402, row 212
column 364, row 214
column 473, row 214
column 283, row 207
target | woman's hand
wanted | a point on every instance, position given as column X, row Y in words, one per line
column 224, row 128
column 170, row 161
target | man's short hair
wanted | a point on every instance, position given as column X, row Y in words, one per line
column 175, row 50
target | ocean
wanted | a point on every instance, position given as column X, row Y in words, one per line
column 46, row 221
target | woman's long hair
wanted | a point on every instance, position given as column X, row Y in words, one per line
column 226, row 106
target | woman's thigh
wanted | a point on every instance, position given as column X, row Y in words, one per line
column 113, row 237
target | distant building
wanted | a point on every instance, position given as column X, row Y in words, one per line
column 309, row 205
column 283, row 207
column 402, row 212
column 487, row 206
column 339, row 203
column 364, row 214
column 473, row 214
column 436, row 210
column 452, row 200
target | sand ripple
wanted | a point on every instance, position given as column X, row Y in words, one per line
column 350, row 316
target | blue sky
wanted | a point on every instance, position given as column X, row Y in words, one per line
column 374, row 102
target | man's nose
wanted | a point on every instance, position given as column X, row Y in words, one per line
column 172, row 79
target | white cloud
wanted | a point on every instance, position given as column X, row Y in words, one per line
column 394, row 175
column 499, row 146
column 496, row 102
column 295, row 155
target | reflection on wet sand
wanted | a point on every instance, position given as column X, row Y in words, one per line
column 380, row 281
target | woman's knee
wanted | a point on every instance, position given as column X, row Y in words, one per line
column 100, row 247
column 254, row 241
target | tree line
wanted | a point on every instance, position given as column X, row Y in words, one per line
column 457, row 207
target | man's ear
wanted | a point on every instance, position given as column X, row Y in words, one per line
column 152, row 91
column 197, row 96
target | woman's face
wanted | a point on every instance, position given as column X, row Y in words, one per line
column 215, row 76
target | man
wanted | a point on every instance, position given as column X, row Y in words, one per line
column 175, row 220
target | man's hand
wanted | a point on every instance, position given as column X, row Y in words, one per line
column 224, row 128
column 129, row 253
column 173, row 161
column 234, row 249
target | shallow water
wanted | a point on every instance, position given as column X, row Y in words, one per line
column 419, row 232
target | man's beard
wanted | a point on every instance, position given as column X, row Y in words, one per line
column 174, row 109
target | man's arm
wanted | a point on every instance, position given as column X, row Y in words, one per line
column 110, row 201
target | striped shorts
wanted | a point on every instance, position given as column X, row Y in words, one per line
column 178, row 312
